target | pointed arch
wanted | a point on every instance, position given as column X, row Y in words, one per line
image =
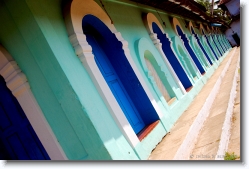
column 164, row 45
column 185, row 41
column 150, row 19
column 213, row 29
column 155, row 69
column 202, row 30
column 199, row 51
column 191, row 28
column 79, row 10
column 184, row 57
column 176, row 24
column 208, row 29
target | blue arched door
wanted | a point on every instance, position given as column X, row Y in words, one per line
column 180, row 72
column 18, row 141
column 189, row 49
column 98, row 43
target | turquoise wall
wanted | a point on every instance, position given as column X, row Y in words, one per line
column 132, row 28
column 34, row 33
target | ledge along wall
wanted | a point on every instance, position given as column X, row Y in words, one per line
column 35, row 34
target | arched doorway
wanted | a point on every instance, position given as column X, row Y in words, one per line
column 212, row 36
column 171, row 57
column 191, row 52
column 199, row 52
column 211, row 47
column 158, row 78
column 187, row 62
column 118, row 74
column 18, row 140
column 202, row 48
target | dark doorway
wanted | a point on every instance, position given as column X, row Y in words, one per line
column 171, row 57
column 236, row 38
column 189, row 49
column 118, row 74
column 18, row 140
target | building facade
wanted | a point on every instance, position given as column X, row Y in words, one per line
column 232, row 7
column 93, row 80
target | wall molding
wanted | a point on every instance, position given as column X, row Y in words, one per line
column 141, row 54
column 83, row 50
column 148, row 20
column 190, row 25
column 17, row 82
column 175, row 22
column 201, row 28
column 198, row 50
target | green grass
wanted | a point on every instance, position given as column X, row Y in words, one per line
column 231, row 156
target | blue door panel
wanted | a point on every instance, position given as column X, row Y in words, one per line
column 171, row 57
column 115, row 84
column 18, row 140
column 5, row 122
column 212, row 49
column 189, row 49
column 202, row 48
column 114, row 51
column 215, row 43
column 16, row 146
column 133, row 87
column 194, row 57
column 127, row 106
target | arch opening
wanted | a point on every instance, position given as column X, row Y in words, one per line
column 199, row 52
column 187, row 61
column 118, row 74
column 203, row 32
column 220, row 44
column 158, row 77
column 202, row 48
column 189, row 49
column 211, row 47
column 171, row 57
column 216, row 46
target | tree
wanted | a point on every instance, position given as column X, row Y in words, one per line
column 217, row 13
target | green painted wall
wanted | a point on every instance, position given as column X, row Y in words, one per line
column 132, row 28
column 34, row 33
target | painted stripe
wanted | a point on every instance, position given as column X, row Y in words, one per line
column 226, row 128
column 188, row 144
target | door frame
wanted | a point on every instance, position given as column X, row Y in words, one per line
column 17, row 82
column 73, row 19
column 149, row 19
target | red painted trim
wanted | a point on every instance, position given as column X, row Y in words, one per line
column 142, row 134
column 188, row 89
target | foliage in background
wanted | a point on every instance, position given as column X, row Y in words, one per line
column 217, row 13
